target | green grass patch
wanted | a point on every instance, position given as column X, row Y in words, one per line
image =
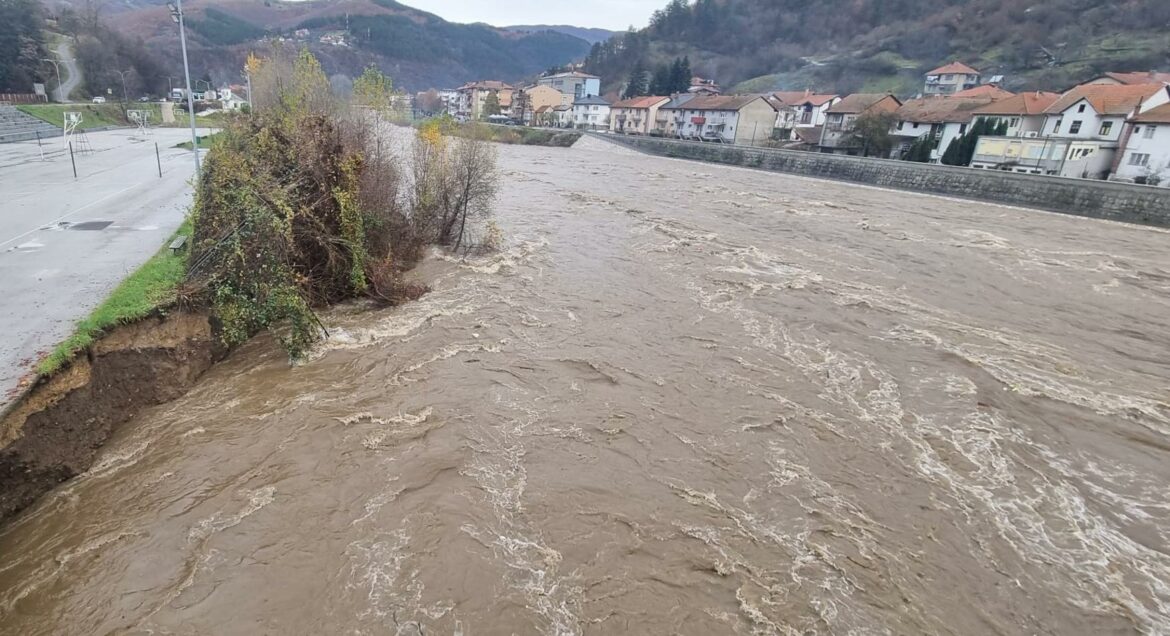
column 92, row 115
column 205, row 142
column 150, row 287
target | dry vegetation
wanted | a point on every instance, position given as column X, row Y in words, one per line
column 300, row 206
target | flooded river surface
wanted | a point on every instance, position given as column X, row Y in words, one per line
column 683, row 399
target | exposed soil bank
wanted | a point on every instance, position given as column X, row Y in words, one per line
column 55, row 431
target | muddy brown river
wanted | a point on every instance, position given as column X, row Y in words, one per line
column 684, row 399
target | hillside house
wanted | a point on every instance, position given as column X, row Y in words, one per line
column 473, row 95
column 951, row 79
column 730, row 119
column 941, row 118
column 591, row 113
column 572, row 85
column 232, row 97
column 705, row 87
column 801, row 109
column 837, row 136
column 1145, row 155
column 636, row 116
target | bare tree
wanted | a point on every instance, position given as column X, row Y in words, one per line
column 473, row 183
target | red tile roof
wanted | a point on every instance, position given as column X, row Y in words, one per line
column 1159, row 115
column 1034, row 103
column 791, row 98
column 722, row 102
column 858, row 103
column 939, row 110
column 954, row 68
column 986, row 90
column 641, row 102
column 1107, row 99
column 1152, row 77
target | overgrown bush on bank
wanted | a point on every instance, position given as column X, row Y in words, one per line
column 514, row 135
column 299, row 207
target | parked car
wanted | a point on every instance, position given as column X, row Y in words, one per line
column 99, row 100
column 144, row 99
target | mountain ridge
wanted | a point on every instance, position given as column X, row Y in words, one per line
column 886, row 45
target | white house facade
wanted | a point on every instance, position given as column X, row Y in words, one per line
column 1146, row 155
column 591, row 113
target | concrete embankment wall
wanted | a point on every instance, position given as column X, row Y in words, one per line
column 1098, row 199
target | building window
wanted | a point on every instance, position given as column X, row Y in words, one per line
column 1150, row 130
column 963, row 129
column 1015, row 122
column 1106, row 128
column 1075, row 128
column 901, row 125
column 1139, row 159
column 1056, row 128
column 947, row 78
column 1081, row 109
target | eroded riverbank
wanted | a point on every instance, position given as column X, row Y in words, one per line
column 685, row 398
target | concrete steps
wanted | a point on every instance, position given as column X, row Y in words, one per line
column 18, row 126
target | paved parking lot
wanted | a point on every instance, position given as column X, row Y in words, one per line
column 66, row 242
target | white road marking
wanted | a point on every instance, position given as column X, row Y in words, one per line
column 63, row 217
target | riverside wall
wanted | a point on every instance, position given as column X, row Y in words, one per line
column 1124, row 202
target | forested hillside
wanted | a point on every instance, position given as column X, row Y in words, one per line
column 418, row 49
column 22, row 46
column 850, row 45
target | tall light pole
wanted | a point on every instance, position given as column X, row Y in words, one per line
column 56, row 66
column 177, row 16
column 125, row 97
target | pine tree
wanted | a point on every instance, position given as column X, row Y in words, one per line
column 662, row 82
column 491, row 105
column 639, row 82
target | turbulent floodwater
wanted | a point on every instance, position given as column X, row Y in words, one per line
column 685, row 399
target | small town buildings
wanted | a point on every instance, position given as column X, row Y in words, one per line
column 1145, row 157
column 1023, row 113
column 801, row 109
column 572, row 85
column 527, row 100
column 562, row 116
column 449, row 97
column 636, row 116
column 591, row 113
column 837, row 136
column 473, row 96
column 942, row 118
column 233, row 97
column 670, row 116
column 950, row 79
column 731, row 119
column 1081, row 135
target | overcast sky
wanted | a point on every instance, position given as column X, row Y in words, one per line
column 604, row 14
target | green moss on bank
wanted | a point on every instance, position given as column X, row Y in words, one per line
column 146, row 290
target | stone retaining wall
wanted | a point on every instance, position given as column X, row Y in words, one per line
column 1124, row 202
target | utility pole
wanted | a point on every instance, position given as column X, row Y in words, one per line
column 170, row 86
column 177, row 16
